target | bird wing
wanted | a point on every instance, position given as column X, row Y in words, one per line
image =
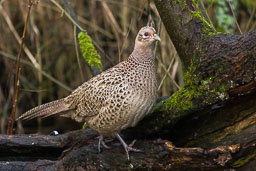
column 96, row 94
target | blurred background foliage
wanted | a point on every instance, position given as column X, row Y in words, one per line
column 52, row 65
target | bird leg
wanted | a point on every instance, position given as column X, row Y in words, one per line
column 101, row 142
column 128, row 147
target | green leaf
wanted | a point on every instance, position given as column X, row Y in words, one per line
column 84, row 125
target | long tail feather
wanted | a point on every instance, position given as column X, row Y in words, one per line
column 45, row 110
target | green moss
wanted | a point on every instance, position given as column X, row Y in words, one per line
column 242, row 161
column 207, row 28
column 197, row 13
column 177, row 1
column 197, row 91
column 195, row 2
column 181, row 101
column 88, row 50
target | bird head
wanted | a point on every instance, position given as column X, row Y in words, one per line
column 146, row 37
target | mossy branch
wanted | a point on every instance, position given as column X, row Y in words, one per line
column 88, row 50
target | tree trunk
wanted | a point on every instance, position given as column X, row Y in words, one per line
column 215, row 111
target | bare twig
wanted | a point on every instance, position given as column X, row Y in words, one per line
column 126, row 36
column 163, row 66
column 158, row 32
column 6, row 105
column 67, row 14
column 34, row 91
column 27, row 51
column 175, row 68
column 95, row 27
column 103, row 52
column 114, row 25
column 77, row 56
column 73, row 18
column 132, row 23
column 166, row 73
column 230, row 6
column 250, row 19
column 120, row 3
column 16, row 35
column 71, row 12
column 42, row 71
column 166, row 70
column 17, row 83
column 39, row 58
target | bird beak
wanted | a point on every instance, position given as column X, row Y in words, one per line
column 156, row 37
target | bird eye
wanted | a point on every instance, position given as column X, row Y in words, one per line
column 146, row 34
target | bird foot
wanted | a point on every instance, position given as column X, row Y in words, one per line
column 101, row 142
column 128, row 148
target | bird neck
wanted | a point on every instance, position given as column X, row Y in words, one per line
column 142, row 53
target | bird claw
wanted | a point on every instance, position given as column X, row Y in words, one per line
column 128, row 148
column 133, row 142
column 101, row 142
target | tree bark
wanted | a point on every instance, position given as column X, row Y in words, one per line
column 215, row 111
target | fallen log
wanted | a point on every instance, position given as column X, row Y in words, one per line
column 78, row 150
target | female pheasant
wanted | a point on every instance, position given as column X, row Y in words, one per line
column 115, row 99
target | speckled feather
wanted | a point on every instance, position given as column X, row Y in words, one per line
column 115, row 99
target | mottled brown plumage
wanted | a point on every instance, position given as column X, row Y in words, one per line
column 115, row 99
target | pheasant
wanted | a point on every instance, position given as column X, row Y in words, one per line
column 115, row 99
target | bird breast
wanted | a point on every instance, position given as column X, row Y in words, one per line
column 132, row 97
